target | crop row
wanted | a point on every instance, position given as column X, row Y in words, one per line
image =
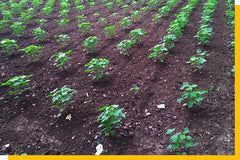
column 175, row 31
column 230, row 13
column 205, row 32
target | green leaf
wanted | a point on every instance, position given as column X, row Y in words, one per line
column 170, row 131
column 186, row 130
column 169, row 147
column 174, row 137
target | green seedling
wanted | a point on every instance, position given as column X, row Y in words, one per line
column 3, row 25
column 197, row 60
column 62, row 60
column 7, row 15
column 42, row 22
column 18, row 28
column 158, row 51
column 124, row 46
column 80, row 8
column 125, row 8
column 137, row 35
column 64, row 13
column 63, row 22
column 96, row 15
column 136, row 16
column 204, row 34
column 96, row 68
column 18, row 84
column 90, row 44
column 36, row 4
column 81, row 18
column 110, row 119
column 65, row 5
column 125, row 22
column 61, row 97
column 84, row 28
column 109, row 5
column 8, row 46
column 109, row 32
column 134, row 89
column 32, row 51
column 47, row 11
column 191, row 94
column 180, row 141
column 25, row 17
column 92, row 4
column 102, row 21
column 78, row 2
column 63, row 39
column 39, row 34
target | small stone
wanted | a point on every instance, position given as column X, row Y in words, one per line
column 3, row 74
column 174, row 117
column 96, row 137
column 104, row 95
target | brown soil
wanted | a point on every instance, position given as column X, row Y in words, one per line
column 28, row 123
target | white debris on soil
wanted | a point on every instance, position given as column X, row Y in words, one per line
column 161, row 106
column 99, row 149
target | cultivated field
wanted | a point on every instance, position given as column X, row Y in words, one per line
column 163, row 65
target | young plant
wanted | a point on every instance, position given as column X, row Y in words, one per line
column 96, row 68
column 156, row 18
column 36, row 4
column 109, row 5
column 16, row 8
column 63, row 22
column 81, row 18
column 198, row 60
column 39, row 34
column 18, row 84
column 110, row 118
column 84, row 28
column 61, row 97
column 47, row 11
column 25, row 17
column 124, row 46
column 109, row 31
column 64, row 13
column 65, row 5
column 134, row 89
column 63, row 39
column 78, row 2
column 7, row 14
column 125, row 22
column 62, row 60
column 90, row 44
column 42, row 22
column 96, row 15
column 137, row 34
column 18, row 28
column 125, row 8
column 102, row 21
column 92, row 4
column 191, row 94
column 180, row 141
column 135, row 15
column 8, row 46
column 80, row 8
column 158, row 51
column 32, row 51
column 3, row 25
column 204, row 34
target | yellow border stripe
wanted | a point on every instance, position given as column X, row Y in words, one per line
column 237, row 122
